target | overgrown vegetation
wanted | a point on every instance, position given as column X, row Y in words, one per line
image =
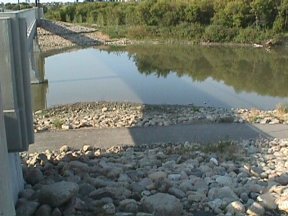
column 20, row 6
column 241, row 21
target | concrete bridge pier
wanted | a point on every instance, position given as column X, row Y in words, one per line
column 35, row 62
column 17, row 30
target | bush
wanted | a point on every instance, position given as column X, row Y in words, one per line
column 217, row 33
column 138, row 32
column 252, row 35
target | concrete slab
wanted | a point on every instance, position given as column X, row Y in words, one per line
column 202, row 133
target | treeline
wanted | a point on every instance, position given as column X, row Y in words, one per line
column 205, row 20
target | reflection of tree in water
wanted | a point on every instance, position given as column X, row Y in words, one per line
column 245, row 69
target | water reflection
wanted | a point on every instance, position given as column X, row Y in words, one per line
column 245, row 69
column 214, row 76
column 39, row 92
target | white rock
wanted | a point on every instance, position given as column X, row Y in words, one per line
column 86, row 148
column 214, row 161
column 235, row 207
column 255, row 209
column 64, row 148
column 282, row 203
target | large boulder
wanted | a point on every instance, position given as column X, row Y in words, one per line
column 162, row 204
column 58, row 193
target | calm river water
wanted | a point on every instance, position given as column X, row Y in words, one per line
column 170, row 74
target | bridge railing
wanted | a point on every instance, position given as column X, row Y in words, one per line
column 30, row 15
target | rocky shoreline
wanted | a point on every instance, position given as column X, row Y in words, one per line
column 226, row 178
column 117, row 114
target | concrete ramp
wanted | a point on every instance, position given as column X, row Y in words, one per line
column 201, row 133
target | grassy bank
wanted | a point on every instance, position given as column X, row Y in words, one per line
column 240, row 21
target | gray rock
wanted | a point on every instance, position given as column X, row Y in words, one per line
column 85, row 189
column 224, row 193
column 255, row 209
column 102, row 192
column 156, row 176
column 56, row 212
column 44, row 210
column 283, row 179
column 256, row 171
column 109, row 209
column 26, row 193
column 186, row 185
column 244, row 197
column 33, row 175
column 128, row 205
column 58, row 193
column 199, row 185
column 176, row 192
column 79, row 165
column 195, row 196
column 224, row 180
column 144, row 214
column 26, row 208
column 119, row 193
column 252, row 187
column 101, row 181
column 124, row 214
column 162, row 205
column 174, row 177
column 215, row 204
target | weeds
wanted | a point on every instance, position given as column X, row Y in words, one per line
column 282, row 108
column 57, row 123
column 226, row 150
